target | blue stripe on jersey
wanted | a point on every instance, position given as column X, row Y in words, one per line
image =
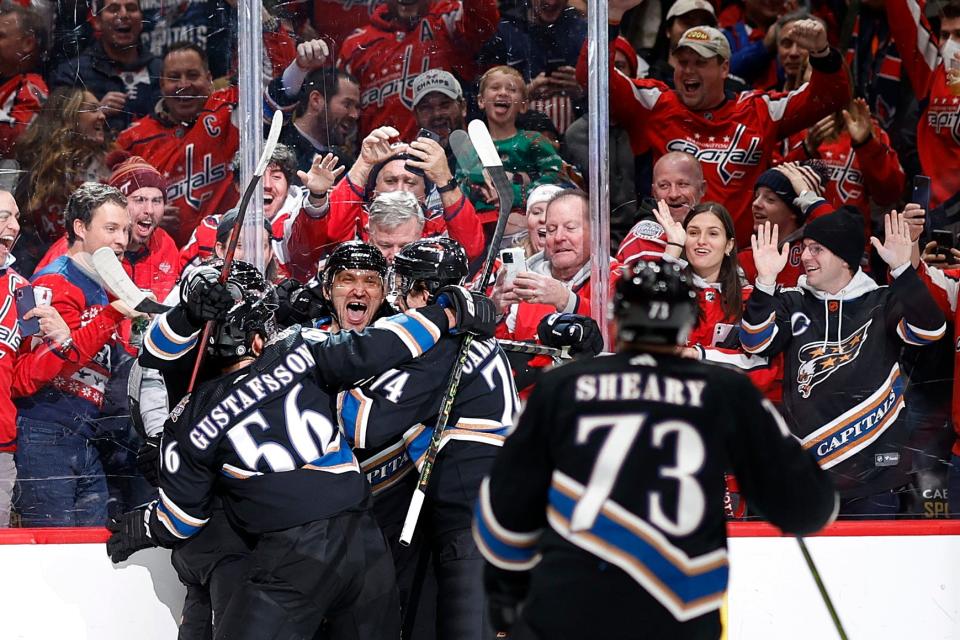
column 349, row 410
column 686, row 585
column 417, row 446
column 505, row 549
column 756, row 337
column 917, row 336
column 164, row 343
column 176, row 525
column 417, row 327
column 338, row 460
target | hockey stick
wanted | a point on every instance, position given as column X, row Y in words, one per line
column 265, row 155
column 491, row 162
column 823, row 589
column 119, row 284
column 535, row 349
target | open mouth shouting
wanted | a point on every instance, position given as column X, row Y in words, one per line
column 356, row 312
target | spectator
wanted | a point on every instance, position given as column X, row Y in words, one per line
column 752, row 35
column 534, row 238
column 325, row 103
column 193, row 154
column 528, row 157
column 439, row 107
column 404, row 40
column 792, row 59
column 151, row 258
column 777, row 201
column 382, row 168
column 63, row 147
column 544, row 48
column 933, row 65
column 117, row 69
column 24, row 35
column 394, row 220
column 841, row 335
column 678, row 181
column 735, row 137
column 682, row 15
column 60, row 477
column 623, row 184
column 558, row 278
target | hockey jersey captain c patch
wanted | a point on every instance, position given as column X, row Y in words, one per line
column 820, row 359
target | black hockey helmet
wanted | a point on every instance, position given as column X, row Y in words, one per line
column 352, row 255
column 655, row 302
column 434, row 262
column 252, row 314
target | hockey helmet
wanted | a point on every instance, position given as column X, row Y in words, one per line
column 351, row 255
column 434, row 262
column 656, row 303
column 253, row 312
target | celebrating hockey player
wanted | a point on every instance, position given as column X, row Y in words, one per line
column 259, row 434
column 613, row 479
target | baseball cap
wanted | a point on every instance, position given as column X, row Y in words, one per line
column 682, row 7
column 436, row 80
column 707, row 41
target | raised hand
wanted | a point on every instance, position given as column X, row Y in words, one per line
column 768, row 258
column 809, row 34
column 323, row 173
column 915, row 217
column 801, row 178
column 376, row 147
column 676, row 234
column 858, row 122
column 825, row 129
column 896, row 246
column 431, row 158
column 312, row 54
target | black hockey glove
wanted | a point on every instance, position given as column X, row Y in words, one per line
column 148, row 460
column 580, row 333
column 204, row 297
column 128, row 534
column 304, row 304
column 475, row 312
column 506, row 590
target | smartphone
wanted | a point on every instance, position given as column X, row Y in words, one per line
column 514, row 261
column 553, row 64
column 26, row 302
column 423, row 133
column 921, row 196
column 945, row 241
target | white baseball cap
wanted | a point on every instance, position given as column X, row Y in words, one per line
column 707, row 41
column 436, row 80
column 682, row 7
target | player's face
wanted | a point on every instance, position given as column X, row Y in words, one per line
column 537, row 226
column 9, row 225
column 275, row 188
column 502, row 98
column 568, row 237
column 356, row 295
column 824, row 269
column 707, row 244
column 441, row 114
column 393, row 177
column 14, row 44
column 548, row 11
column 91, row 123
column 677, row 182
column 109, row 227
column 120, row 22
column 185, row 85
column 343, row 111
column 145, row 206
column 792, row 56
column 699, row 80
column 767, row 206
column 391, row 241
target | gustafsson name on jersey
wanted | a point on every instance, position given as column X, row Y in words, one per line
column 259, row 387
column 639, row 386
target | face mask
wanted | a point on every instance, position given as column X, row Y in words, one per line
column 947, row 50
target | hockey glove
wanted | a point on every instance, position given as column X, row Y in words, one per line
column 148, row 460
column 304, row 304
column 129, row 533
column 475, row 312
column 204, row 297
column 580, row 333
column 506, row 591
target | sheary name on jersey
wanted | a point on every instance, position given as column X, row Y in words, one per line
column 637, row 386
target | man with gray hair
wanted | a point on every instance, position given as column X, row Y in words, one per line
column 60, row 478
column 394, row 220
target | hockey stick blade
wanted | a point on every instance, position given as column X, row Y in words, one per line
column 268, row 148
column 118, row 283
column 490, row 157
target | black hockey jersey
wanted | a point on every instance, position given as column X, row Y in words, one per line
column 611, row 491
column 265, row 436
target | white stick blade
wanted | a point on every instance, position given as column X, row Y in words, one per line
column 115, row 278
column 275, row 126
column 483, row 143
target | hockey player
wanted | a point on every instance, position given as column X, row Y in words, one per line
column 259, row 434
column 842, row 336
column 405, row 402
column 603, row 514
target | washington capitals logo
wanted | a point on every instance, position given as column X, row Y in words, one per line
column 849, row 180
column 724, row 152
column 819, row 360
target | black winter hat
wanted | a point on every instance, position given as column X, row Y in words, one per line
column 841, row 232
column 780, row 185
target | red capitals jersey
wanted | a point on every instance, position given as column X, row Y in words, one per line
column 10, row 338
column 944, row 286
column 787, row 277
column 21, row 98
column 335, row 20
column 387, row 57
column 646, row 241
column 938, row 130
column 735, row 142
column 197, row 161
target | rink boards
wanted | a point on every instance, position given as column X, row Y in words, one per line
column 888, row 580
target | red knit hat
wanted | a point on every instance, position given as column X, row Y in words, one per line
column 132, row 172
column 623, row 45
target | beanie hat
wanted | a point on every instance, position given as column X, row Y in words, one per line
column 132, row 172
column 841, row 232
column 227, row 222
column 541, row 194
column 780, row 185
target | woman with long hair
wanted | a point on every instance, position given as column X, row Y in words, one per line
column 62, row 148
